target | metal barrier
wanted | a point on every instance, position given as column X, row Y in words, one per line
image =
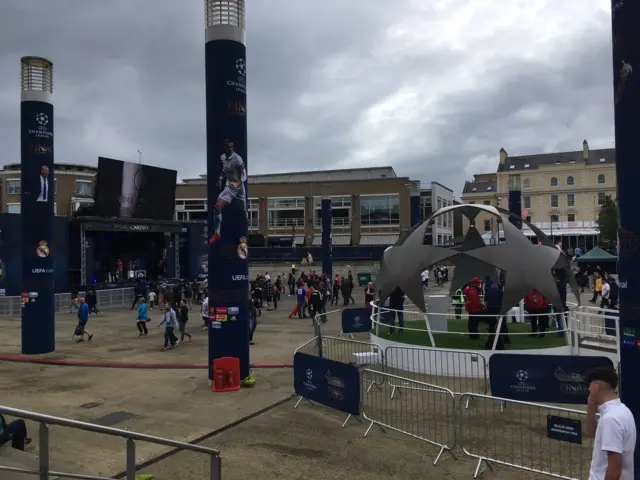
column 427, row 412
column 44, row 472
column 456, row 370
column 514, row 434
column 595, row 327
column 117, row 297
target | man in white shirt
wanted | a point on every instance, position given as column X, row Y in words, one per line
column 204, row 311
column 615, row 433
column 44, row 190
column 425, row 278
column 267, row 277
column 606, row 293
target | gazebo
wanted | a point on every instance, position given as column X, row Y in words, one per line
column 597, row 255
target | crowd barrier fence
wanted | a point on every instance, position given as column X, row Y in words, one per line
column 427, row 413
column 113, row 298
column 456, row 370
column 516, row 434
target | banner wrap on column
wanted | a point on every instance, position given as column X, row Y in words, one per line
column 414, row 210
column 327, row 238
column 228, row 271
column 626, row 48
column 37, row 202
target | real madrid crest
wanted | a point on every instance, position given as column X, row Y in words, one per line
column 243, row 249
column 43, row 249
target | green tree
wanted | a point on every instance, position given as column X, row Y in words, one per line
column 608, row 222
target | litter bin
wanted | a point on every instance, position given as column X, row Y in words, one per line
column 364, row 279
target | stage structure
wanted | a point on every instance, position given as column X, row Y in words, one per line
column 626, row 94
column 36, row 204
column 226, row 104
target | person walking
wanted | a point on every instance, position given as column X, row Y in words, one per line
column 474, row 307
column 396, row 304
column 142, row 318
column 92, row 301
column 183, row 318
column 83, row 319
column 204, row 312
column 170, row 322
column 615, row 434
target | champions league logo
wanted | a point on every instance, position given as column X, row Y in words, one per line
column 241, row 67
column 240, row 83
column 41, row 131
column 42, row 119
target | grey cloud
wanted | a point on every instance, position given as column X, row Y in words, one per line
column 130, row 75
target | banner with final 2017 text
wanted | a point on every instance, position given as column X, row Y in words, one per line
column 37, row 201
column 356, row 320
column 330, row 383
column 542, row 378
column 226, row 97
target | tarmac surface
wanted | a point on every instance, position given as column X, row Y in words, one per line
column 283, row 442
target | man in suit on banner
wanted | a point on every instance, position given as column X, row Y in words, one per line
column 44, row 188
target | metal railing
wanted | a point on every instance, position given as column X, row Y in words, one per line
column 427, row 412
column 515, row 434
column 457, row 370
column 44, row 471
column 114, row 298
column 596, row 327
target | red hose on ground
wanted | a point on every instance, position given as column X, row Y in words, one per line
column 82, row 363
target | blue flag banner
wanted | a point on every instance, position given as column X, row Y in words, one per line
column 36, row 203
column 564, row 429
column 227, row 166
column 356, row 320
column 414, row 210
column 327, row 238
column 333, row 384
column 542, row 378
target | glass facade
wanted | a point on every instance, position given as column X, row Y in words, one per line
column 286, row 212
column 379, row 210
column 340, row 211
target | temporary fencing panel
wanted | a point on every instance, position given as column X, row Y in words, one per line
column 457, row 370
column 426, row 412
column 532, row 437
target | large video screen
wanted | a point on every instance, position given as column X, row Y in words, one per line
column 133, row 190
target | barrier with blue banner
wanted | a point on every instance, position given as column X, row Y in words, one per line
column 356, row 320
column 327, row 382
column 542, row 378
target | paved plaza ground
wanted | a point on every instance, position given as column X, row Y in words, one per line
column 282, row 443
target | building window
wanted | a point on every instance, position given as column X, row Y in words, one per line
column 526, row 201
column 340, row 211
column 379, row 210
column 601, row 179
column 487, row 202
column 487, row 225
column 571, row 200
column 554, row 218
column 84, row 188
column 285, row 212
column 571, row 217
column 13, row 187
column 13, row 208
column 570, row 181
column 526, row 184
column 554, row 201
column 601, row 197
column 554, row 182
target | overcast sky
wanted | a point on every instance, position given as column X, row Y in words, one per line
column 432, row 87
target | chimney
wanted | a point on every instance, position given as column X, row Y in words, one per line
column 503, row 156
column 585, row 151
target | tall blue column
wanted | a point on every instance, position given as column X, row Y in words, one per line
column 626, row 48
column 226, row 105
column 327, row 249
column 36, row 204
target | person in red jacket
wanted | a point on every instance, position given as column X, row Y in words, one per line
column 474, row 307
column 538, row 309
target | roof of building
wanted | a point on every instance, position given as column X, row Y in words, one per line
column 15, row 167
column 479, row 187
column 532, row 162
column 371, row 173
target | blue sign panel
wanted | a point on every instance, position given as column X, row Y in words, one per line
column 542, row 378
column 356, row 320
column 37, row 201
column 333, row 384
column 564, row 429
column 227, row 164
column 327, row 238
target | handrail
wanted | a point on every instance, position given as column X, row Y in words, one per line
column 44, row 420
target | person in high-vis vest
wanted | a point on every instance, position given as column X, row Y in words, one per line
column 458, row 302
column 293, row 269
